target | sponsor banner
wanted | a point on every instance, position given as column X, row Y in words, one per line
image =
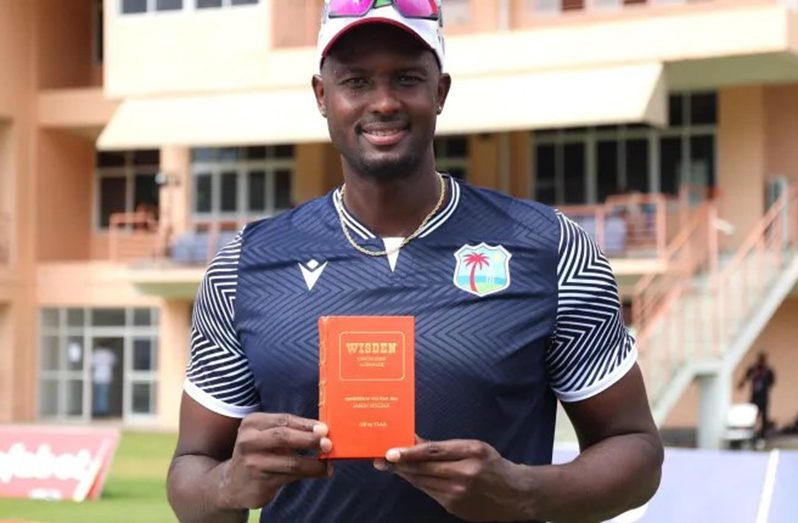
column 46, row 462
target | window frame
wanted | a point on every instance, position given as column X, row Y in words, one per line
column 622, row 134
column 188, row 5
column 270, row 165
column 129, row 171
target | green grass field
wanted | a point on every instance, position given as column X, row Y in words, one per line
column 134, row 492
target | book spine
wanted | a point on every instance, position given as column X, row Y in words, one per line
column 323, row 370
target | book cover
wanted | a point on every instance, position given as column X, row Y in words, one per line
column 367, row 384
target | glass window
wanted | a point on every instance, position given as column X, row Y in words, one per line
column 675, row 110
column 75, row 317
column 229, row 190
column 256, row 191
column 239, row 184
column 48, row 397
column 703, row 109
column 670, row 165
column 545, row 169
column 637, row 165
column 607, row 169
column 702, row 161
column 202, row 4
column 574, row 171
column 282, row 189
column 168, row 5
column 142, row 355
column 112, row 198
column 143, row 398
column 74, row 399
column 142, row 317
column 75, row 353
column 108, row 317
column 203, row 193
column 126, row 181
column 244, row 2
column 51, row 355
column 134, row 6
column 451, row 155
column 50, row 319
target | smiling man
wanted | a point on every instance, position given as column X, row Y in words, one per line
column 515, row 308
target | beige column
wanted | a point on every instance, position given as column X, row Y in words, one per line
column 521, row 164
column 781, row 109
column 483, row 160
column 172, row 359
column 741, row 158
column 175, row 193
column 318, row 169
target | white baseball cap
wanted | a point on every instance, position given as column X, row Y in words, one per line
column 428, row 31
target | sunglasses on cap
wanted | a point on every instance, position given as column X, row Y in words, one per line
column 425, row 9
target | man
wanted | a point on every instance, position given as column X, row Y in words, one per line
column 762, row 379
column 513, row 303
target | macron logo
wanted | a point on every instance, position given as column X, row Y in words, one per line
column 311, row 272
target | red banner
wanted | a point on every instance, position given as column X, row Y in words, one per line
column 55, row 462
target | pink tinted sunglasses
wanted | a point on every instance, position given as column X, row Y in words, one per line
column 426, row 9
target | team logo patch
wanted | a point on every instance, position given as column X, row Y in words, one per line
column 482, row 269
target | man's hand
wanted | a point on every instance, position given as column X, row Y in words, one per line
column 270, row 451
column 467, row 477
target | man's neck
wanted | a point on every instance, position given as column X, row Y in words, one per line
column 392, row 207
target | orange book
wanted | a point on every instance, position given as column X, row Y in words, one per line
column 367, row 384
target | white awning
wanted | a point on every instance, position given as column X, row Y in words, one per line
column 538, row 100
column 266, row 117
column 559, row 98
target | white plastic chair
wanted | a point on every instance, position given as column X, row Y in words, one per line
column 740, row 424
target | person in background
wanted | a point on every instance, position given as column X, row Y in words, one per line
column 762, row 379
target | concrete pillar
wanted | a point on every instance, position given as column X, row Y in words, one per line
column 714, row 401
column 741, row 158
column 172, row 359
column 175, row 192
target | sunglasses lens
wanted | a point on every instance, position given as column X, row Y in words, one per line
column 344, row 8
column 417, row 8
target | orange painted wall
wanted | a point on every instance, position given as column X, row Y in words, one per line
column 741, row 158
column 64, row 32
column 64, row 202
column 781, row 109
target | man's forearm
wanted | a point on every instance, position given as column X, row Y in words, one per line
column 611, row 477
column 195, row 491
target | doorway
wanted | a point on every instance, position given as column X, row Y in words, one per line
column 107, row 377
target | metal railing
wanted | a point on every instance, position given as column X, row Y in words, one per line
column 695, row 308
column 637, row 225
column 742, row 283
column 135, row 236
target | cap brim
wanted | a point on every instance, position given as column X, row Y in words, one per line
column 373, row 20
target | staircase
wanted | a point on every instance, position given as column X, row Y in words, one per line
column 702, row 314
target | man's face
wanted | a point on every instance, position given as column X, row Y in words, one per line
column 381, row 90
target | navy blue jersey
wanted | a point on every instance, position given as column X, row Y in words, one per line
column 515, row 307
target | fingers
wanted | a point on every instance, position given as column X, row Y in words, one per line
column 433, row 469
column 291, row 466
column 266, row 420
column 450, row 450
column 281, row 438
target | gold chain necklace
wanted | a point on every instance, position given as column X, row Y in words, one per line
column 405, row 241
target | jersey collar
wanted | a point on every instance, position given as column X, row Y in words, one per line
column 437, row 220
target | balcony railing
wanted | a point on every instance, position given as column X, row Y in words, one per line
column 135, row 236
column 638, row 225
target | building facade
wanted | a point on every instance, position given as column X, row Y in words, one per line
column 137, row 135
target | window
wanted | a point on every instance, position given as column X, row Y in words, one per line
column 98, row 40
column 451, row 155
column 145, row 6
column 241, row 183
column 586, row 165
column 126, row 182
column 560, row 6
column 98, row 363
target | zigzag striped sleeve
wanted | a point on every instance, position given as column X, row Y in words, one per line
column 591, row 349
column 218, row 375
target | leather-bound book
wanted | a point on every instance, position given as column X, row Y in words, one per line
column 367, row 384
